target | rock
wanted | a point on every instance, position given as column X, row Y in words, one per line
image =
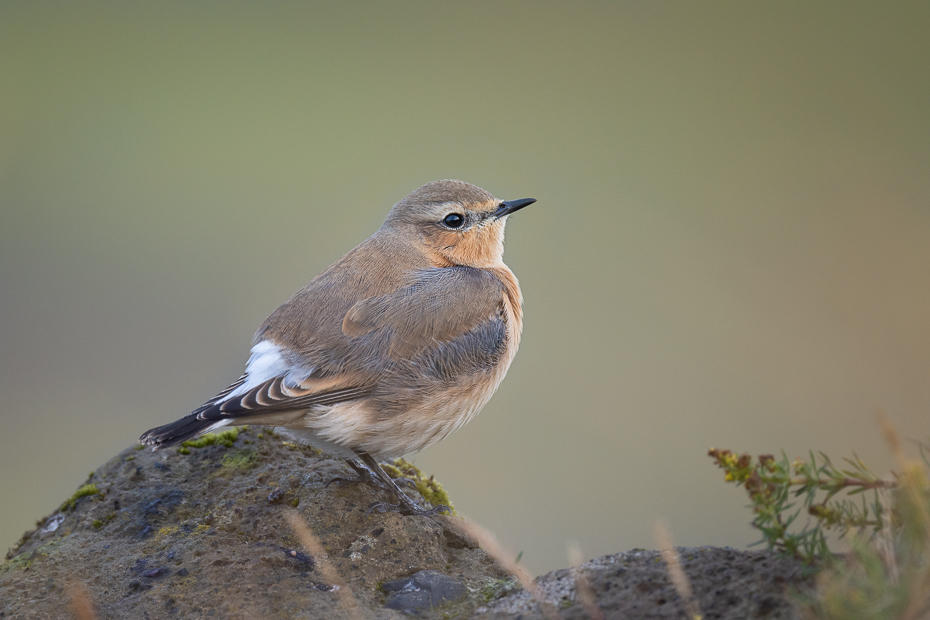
column 727, row 584
column 168, row 534
column 202, row 532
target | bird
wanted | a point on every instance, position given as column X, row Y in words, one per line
column 390, row 349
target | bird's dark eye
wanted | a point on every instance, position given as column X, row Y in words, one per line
column 454, row 220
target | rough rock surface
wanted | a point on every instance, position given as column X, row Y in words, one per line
column 726, row 584
column 173, row 535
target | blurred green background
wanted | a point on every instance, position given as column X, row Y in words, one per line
column 731, row 246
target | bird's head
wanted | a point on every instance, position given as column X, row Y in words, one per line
column 461, row 223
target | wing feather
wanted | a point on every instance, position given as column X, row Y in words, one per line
column 439, row 306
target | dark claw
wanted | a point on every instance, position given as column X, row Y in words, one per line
column 435, row 510
column 408, row 510
column 407, row 481
column 363, row 477
column 408, row 506
column 382, row 507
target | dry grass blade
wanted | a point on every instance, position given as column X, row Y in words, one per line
column 912, row 481
column 582, row 585
column 312, row 544
column 891, row 438
column 675, row 572
column 81, row 604
column 911, row 471
column 489, row 543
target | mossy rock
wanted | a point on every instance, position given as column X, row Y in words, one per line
column 169, row 534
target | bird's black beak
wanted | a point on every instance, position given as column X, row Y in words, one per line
column 508, row 207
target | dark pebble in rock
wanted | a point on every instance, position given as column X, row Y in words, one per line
column 155, row 573
column 409, row 600
column 425, row 589
column 300, row 557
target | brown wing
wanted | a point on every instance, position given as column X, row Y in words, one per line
column 438, row 307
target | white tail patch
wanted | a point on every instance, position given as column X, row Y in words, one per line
column 265, row 363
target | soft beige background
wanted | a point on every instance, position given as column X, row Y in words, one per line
column 731, row 246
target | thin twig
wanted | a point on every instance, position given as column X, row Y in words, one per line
column 884, row 540
column 846, row 482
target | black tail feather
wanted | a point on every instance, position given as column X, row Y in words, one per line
column 260, row 399
column 176, row 432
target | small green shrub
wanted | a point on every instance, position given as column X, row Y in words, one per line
column 886, row 576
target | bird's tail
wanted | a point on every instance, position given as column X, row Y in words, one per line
column 191, row 425
column 178, row 431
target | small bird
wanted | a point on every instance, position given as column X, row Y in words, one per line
column 392, row 348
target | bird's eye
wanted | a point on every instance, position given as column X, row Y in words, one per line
column 454, row 220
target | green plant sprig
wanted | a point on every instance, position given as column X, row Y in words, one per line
column 886, row 574
column 776, row 485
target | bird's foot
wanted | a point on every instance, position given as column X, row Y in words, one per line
column 374, row 475
column 409, row 508
column 363, row 475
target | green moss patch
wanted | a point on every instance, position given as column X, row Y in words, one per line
column 227, row 438
column 497, row 588
column 429, row 488
column 240, row 459
column 99, row 523
column 85, row 491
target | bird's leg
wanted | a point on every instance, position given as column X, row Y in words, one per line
column 406, row 506
column 365, row 476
